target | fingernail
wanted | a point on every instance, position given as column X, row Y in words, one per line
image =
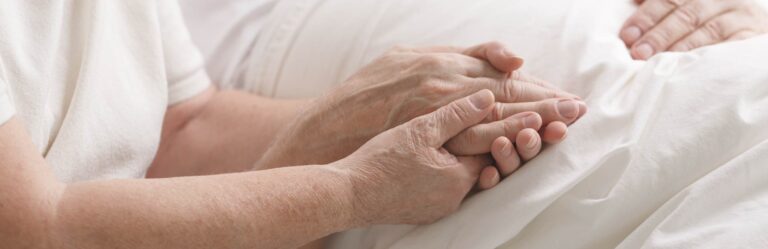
column 568, row 109
column 631, row 34
column 532, row 143
column 506, row 150
column 644, row 51
column 496, row 179
column 482, row 99
column 530, row 121
column 518, row 62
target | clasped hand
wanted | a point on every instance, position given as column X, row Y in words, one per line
column 422, row 134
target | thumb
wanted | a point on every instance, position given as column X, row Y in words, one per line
column 453, row 118
column 498, row 55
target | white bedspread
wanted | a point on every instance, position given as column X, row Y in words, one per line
column 672, row 154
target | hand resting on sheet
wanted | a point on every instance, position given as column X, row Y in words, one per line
column 408, row 82
column 683, row 25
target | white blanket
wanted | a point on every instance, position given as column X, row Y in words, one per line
column 672, row 154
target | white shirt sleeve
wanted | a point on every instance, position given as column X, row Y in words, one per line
column 6, row 104
column 184, row 65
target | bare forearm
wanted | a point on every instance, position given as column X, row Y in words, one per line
column 282, row 208
column 228, row 133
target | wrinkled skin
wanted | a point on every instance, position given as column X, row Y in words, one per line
column 405, row 176
column 406, row 83
column 683, row 25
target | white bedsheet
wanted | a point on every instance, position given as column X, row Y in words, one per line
column 672, row 154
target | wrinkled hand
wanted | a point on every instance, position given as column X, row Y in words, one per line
column 404, row 176
column 406, row 83
column 682, row 25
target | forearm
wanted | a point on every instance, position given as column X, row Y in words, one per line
column 281, row 208
column 226, row 132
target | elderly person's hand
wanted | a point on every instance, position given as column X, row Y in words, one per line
column 404, row 175
column 406, row 83
column 682, row 25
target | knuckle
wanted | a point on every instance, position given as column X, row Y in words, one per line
column 689, row 15
column 658, row 38
column 549, row 108
column 422, row 128
column 497, row 113
column 517, row 76
column 457, row 112
column 714, row 30
column 551, row 93
column 684, row 46
column 423, row 124
column 511, row 127
column 512, row 90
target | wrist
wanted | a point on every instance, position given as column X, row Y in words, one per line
column 350, row 194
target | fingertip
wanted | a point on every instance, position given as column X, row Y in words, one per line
column 555, row 132
column 528, row 138
column 482, row 99
column 530, row 120
column 503, row 152
column 489, row 178
column 630, row 34
column 583, row 109
column 643, row 51
column 500, row 146
column 503, row 59
column 528, row 143
column 516, row 62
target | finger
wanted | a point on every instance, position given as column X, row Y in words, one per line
column 473, row 67
column 453, row 64
column 489, row 178
column 718, row 29
column 678, row 24
column 507, row 160
column 472, row 165
column 439, row 126
column 498, row 55
column 554, row 132
column 742, row 35
column 478, row 139
column 517, row 75
column 513, row 91
column 528, row 144
column 470, row 169
column 551, row 110
column 649, row 14
column 494, row 52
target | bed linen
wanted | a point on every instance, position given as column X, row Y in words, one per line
column 672, row 154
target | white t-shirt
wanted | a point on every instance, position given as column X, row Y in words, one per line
column 91, row 80
column 226, row 31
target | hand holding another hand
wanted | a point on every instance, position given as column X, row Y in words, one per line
column 406, row 83
column 405, row 176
